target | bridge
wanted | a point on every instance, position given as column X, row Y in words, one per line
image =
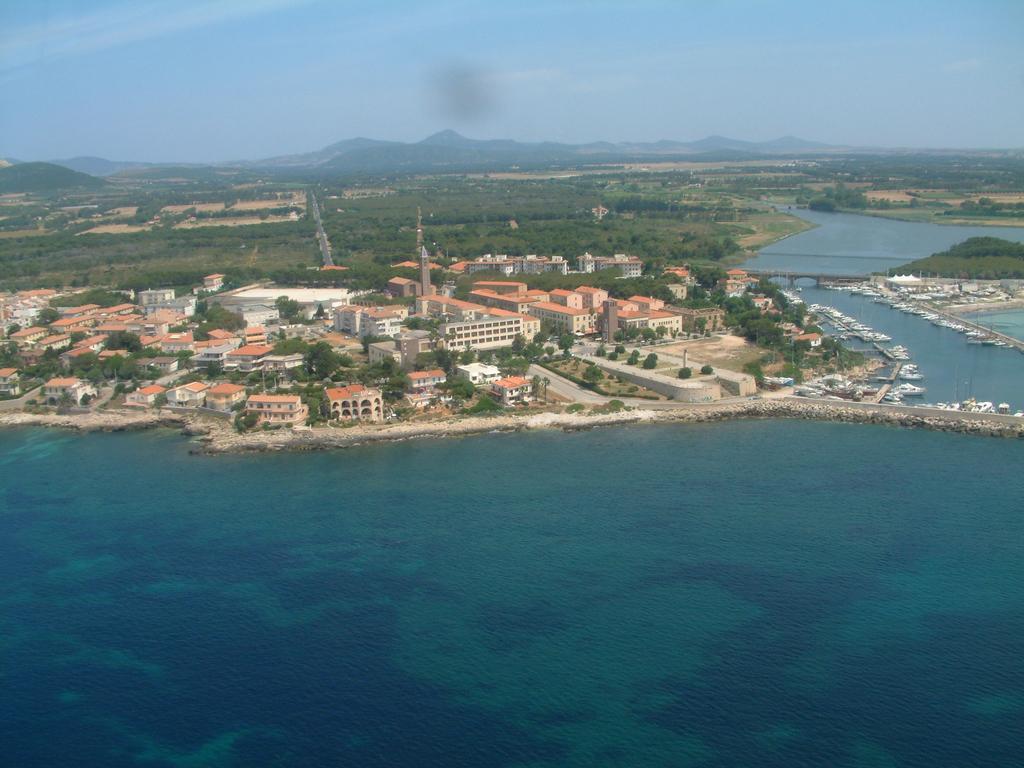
column 818, row 278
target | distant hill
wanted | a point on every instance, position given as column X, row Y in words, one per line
column 989, row 258
column 450, row 149
column 99, row 166
column 44, row 177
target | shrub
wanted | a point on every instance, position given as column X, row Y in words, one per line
column 685, row 373
column 707, row 369
column 651, row 362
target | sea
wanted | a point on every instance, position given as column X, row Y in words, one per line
column 750, row 593
column 753, row 593
column 851, row 244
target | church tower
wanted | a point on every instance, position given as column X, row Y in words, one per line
column 425, row 288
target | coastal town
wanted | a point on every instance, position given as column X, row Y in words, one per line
column 470, row 338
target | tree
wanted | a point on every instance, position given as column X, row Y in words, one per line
column 651, row 362
column 288, row 308
column 321, row 360
column 47, row 315
column 707, row 370
column 565, row 341
column 661, row 331
column 685, row 373
column 592, row 374
column 634, row 357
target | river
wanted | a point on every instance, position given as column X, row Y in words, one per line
column 850, row 244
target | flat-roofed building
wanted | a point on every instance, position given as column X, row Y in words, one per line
column 530, row 264
column 247, row 358
column 445, row 306
column 700, row 320
column 154, row 296
column 629, row 266
column 479, row 373
column 565, row 319
column 282, row 363
column 277, row 410
column 355, row 403
column 370, row 321
column 485, row 332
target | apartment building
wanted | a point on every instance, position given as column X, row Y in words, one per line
column 355, row 403
column 565, row 319
column 277, row 410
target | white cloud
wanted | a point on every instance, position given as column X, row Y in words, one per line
column 110, row 27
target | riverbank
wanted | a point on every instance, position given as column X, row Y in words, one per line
column 217, row 437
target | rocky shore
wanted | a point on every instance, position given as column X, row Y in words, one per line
column 214, row 436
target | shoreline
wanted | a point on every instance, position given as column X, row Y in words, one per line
column 214, row 437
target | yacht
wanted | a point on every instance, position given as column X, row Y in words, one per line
column 909, row 390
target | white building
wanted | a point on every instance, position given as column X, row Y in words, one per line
column 479, row 373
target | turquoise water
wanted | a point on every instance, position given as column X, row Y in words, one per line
column 1010, row 323
column 753, row 593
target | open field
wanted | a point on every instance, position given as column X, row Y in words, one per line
column 197, row 207
column 732, row 352
column 116, row 229
column 240, row 221
column 297, row 199
column 16, row 233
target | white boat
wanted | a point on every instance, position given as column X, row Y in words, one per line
column 909, row 390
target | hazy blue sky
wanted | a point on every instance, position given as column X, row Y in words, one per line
column 200, row 81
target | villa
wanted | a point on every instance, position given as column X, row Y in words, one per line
column 277, row 410
column 512, row 390
column 9, row 385
column 355, row 403
column 71, row 387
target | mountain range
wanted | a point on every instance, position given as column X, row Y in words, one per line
column 450, row 150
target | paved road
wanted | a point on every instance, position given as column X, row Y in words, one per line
column 16, row 405
column 321, row 236
column 565, row 388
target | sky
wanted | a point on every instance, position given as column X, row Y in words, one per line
column 198, row 81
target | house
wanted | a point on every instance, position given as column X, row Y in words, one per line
column 422, row 381
column 254, row 334
column 191, row 395
column 57, row 341
column 224, row 397
column 355, row 402
column 178, row 342
column 164, row 364
column 282, row 363
column 213, row 282
column 763, row 303
column 512, row 390
column 29, row 336
column 814, row 339
column 247, row 358
column 479, row 373
column 277, row 410
column 145, row 397
column 212, row 352
column 219, row 334
column 736, row 282
column 71, row 388
column 9, row 384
